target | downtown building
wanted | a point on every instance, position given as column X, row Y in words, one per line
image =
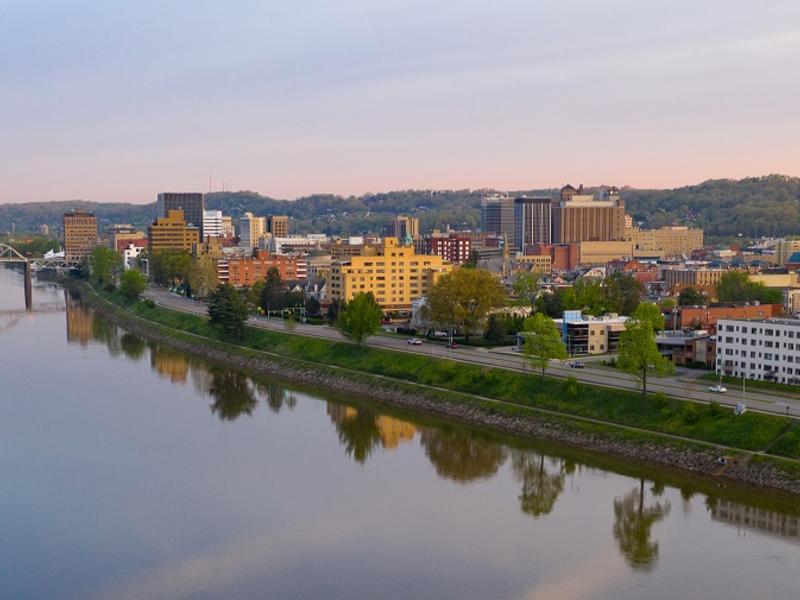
column 532, row 221
column 579, row 217
column 395, row 275
column 763, row 349
column 192, row 205
column 497, row 217
column 80, row 235
column 172, row 232
column 212, row 223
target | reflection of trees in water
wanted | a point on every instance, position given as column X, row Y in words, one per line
column 275, row 395
column 361, row 430
column 633, row 522
column 357, row 428
column 132, row 346
column 169, row 363
column 541, row 485
column 232, row 394
column 460, row 455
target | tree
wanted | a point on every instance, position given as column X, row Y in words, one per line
column 586, row 295
column 495, row 330
column 550, row 304
column 132, row 284
column 638, row 352
column 461, row 300
column 736, row 286
column 360, row 318
column 170, row 267
column 272, row 294
column 312, row 307
column 227, row 310
column 527, row 286
column 691, row 296
column 105, row 264
column 623, row 293
column 254, row 293
column 203, row 277
column 542, row 341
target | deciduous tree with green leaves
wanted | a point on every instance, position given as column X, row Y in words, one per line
column 542, row 341
column 132, row 284
column 105, row 264
column 461, row 300
column 360, row 318
column 638, row 352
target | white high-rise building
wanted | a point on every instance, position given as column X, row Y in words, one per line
column 766, row 349
column 251, row 228
column 212, row 223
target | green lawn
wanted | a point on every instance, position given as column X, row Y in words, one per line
column 658, row 413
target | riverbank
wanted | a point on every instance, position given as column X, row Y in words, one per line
column 483, row 396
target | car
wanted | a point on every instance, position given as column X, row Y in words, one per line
column 453, row 345
column 415, row 342
column 718, row 389
column 576, row 364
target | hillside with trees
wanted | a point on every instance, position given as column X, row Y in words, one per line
column 755, row 206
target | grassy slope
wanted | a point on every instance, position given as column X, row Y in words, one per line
column 751, row 431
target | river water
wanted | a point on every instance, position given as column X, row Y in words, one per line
column 129, row 470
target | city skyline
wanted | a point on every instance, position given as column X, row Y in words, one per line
column 290, row 100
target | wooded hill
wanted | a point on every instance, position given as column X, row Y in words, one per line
column 756, row 206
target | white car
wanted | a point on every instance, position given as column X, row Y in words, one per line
column 718, row 389
column 415, row 342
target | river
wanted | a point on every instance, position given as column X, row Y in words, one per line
column 129, row 470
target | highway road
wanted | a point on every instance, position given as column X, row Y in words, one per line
column 683, row 385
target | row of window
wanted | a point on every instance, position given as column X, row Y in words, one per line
column 760, row 330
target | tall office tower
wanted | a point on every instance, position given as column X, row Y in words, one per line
column 497, row 215
column 278, row 225
column 212, row 223
column 406, row 228
column 192, row 204
column 532, row 221
column 578, row 217
column 80, row 235
column 251, row 229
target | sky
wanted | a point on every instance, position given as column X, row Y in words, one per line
column 116, row 101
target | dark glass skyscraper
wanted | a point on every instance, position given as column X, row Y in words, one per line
column 191, row 203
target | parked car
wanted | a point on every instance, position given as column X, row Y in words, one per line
column 415, row 342
column 576, row 364
column 453, row 346
column 718, row 389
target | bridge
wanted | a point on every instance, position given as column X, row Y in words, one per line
column 9, row 255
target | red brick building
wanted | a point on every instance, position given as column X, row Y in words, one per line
column 241, row 272
column 453, row 247
column 706, row 317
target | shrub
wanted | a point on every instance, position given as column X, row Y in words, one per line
column 691, row 414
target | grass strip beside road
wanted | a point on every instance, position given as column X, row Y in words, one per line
column 657, row 413
column 784, row 389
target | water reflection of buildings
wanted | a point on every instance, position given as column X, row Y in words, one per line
column 80, row 322
column 755, row 519
column 168, row 363
column 392, row 432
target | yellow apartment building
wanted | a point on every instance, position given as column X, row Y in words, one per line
column 394, row 274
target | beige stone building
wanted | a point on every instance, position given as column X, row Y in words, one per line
column 278, row 225
column 705, row 279
column 172, row 233
column 394, row 274
column 599, row 253
column 579, row 217
column 666, row 242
